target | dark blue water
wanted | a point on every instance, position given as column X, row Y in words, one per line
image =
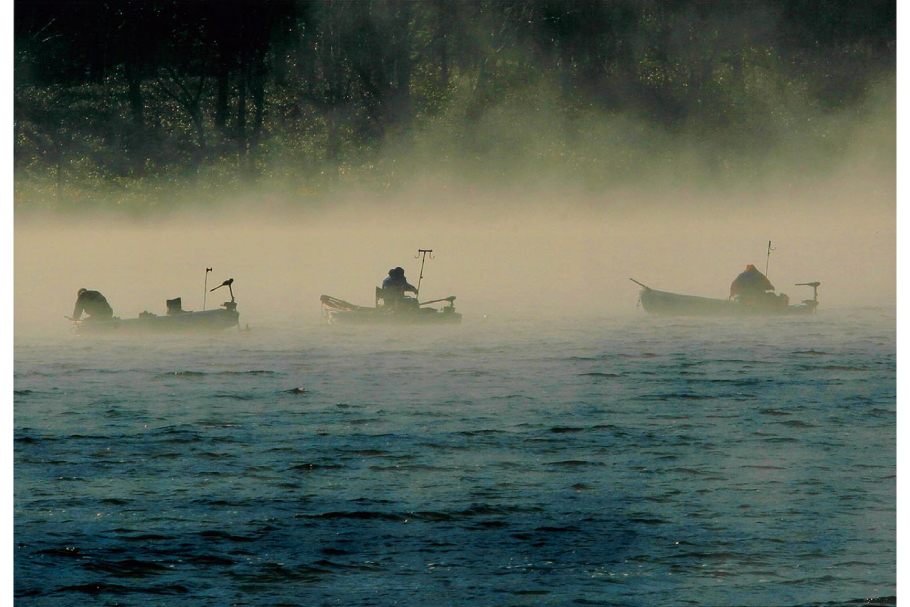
column 615, row 461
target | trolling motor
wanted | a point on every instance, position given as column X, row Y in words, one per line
column 449, row 309
column 229, row 305
column 450, row 299
column 814, row 301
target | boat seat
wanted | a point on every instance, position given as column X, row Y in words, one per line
column 391, row 298
column 175, row 306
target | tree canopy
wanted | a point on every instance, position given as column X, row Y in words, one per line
column 124, row 96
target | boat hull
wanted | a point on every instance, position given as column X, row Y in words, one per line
column 379, row 317
column 674, row 304
column 208, row 321
column 339, row 312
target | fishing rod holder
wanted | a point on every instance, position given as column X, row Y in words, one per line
column 422, row 253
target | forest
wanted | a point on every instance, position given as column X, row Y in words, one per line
column 123, row 103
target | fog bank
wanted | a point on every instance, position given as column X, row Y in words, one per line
column 543, row 257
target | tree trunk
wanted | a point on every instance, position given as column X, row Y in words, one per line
column 443, row 25
column 222, row 93
column 403, row 64
column 240, row 131
column 134, row 94
column 257, row 91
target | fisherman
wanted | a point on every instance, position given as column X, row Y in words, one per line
column 751, row 286
column 395, row 286
column 92, row 303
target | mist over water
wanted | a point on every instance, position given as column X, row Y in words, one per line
column 544, row 257
column 538, row 241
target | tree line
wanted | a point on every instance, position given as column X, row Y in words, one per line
column 123, row 96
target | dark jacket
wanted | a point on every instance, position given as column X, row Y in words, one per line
column 398, row 283
column 750, row 284
column 395, row 286
column 92, row 303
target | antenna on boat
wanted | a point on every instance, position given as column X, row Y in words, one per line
column 423, row 253
column 768, row 259
column 205, row 289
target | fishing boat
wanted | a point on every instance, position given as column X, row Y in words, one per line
column 177, row 320
column 391, row 306
column 339, row 312
column 665, row 303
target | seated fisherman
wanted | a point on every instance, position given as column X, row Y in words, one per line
column 395, row 286
column 751, row 286
column 92, row 303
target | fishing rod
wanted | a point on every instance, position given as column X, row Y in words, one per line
column 205, row 289
column 422, row 253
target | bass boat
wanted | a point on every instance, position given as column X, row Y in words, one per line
column 177, row 320
column 665, row 303
column 392, row 307
column 340, row 312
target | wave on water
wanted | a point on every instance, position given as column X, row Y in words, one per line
column 623, row 464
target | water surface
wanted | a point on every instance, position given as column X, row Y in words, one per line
column 611, row 461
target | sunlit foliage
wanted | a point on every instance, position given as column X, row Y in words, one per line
column 134, row 99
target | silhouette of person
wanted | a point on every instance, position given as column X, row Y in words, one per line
column 395, row 286
column 92, row 303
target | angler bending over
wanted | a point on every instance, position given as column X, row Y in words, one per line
column 753, row 287
column 92, row 303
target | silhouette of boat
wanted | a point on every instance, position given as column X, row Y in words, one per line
column 664, row 303
column 337, row 311
column 177, row 320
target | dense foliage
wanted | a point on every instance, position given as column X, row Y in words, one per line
column 133, row 98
